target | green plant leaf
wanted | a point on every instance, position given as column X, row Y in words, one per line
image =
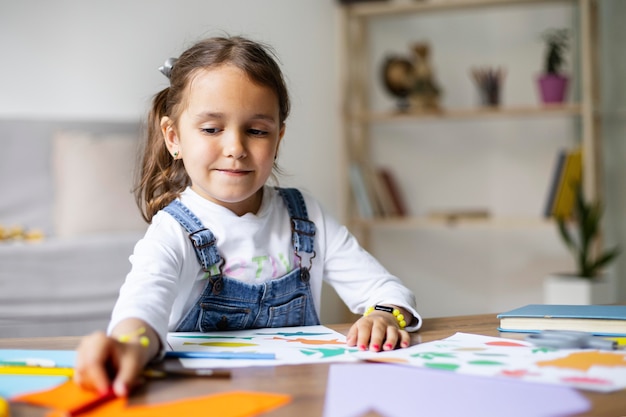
column 565, row 234
column 587, row 222
column 604, row 259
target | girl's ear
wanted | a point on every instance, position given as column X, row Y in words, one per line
column 280, row 139
column 170, row 136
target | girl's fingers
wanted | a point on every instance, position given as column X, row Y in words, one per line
column 91, row 365
column 376, row 333
column 128, row 371
column 405, row 339
column 391, row 340
column 351, row 337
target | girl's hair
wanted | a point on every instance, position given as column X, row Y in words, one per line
column 162, row 178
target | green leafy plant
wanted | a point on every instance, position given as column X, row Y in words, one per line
column 557, row 42
column 580, row 236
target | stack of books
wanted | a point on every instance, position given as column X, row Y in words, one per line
column 601, row 320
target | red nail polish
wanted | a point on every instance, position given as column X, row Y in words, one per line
column 388, row 346
column 376, row 347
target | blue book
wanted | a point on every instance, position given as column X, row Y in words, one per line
column 601, row 320
column 554, row 184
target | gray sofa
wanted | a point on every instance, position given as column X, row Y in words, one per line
column 72, row 181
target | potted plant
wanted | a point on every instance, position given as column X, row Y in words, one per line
column 581, row 234
column 553, row 82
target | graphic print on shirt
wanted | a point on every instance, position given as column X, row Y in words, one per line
column 259, row 267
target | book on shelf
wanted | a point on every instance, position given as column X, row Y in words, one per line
column 362, row 194
column 554, row 183
column 382, row 194
column 566, row 177
column 392, row 194
column 601, row 320
column 376, row 192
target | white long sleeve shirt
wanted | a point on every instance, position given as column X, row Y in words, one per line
column 166, row 277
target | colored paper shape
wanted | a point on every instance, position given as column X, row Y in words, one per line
column 12, row 386
column 463, row 353
column 392, row 390
column 229, row 404
column 585, row 360
column 66, row 396
column 290, row 345
column 61, row 358
column 15, row 385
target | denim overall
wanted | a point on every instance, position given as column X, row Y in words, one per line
column 229, row 304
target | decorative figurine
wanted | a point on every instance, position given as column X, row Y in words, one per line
column 411, row 80
column 425, row 93
column 398, row 77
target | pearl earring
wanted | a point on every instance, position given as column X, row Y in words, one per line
column 175, row 154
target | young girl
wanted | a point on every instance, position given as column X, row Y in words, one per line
column 223, row 249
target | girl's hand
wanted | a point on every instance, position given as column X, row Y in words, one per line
column 377, row 331
column 105, row 362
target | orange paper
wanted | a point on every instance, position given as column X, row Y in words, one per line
column 66, row 396
column 228, row 404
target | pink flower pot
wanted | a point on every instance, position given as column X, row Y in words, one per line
column 552, row 88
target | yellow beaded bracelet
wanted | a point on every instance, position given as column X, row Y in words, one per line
column 139, row 333
column 396, row 313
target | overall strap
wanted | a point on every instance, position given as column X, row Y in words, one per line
column 302, row 229
column 202, row 238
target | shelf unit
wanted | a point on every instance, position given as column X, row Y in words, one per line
column 358, row 116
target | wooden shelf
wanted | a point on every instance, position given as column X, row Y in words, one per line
column 366, row 10
column 359, row 117
column 571, row 109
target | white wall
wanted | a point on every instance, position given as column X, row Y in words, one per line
column 75, row 59
column 98, row 60
column 613, row 94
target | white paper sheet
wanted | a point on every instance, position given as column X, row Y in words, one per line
column 291, row 345
column 464, row 353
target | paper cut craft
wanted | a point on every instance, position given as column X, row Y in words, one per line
column 433, row 393
column 291, row 345
column 66, row 396
column 463, row 353
column 14, row 385
column 229, row 404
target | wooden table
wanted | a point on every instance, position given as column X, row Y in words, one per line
column 305, row 383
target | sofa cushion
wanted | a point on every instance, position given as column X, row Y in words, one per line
column 93, row 181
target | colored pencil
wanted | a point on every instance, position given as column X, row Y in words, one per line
column 46, row 363
column 110, row 395
column 36, row 370
column 219, row 355
column 215, row 373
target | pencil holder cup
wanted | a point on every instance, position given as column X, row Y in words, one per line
column 490, row 97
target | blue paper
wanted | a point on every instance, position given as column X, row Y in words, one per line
column 13, row 385
column 61, row 358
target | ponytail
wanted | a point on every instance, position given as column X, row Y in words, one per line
column 162, row 178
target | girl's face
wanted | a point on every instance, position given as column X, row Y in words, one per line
column 227, row 137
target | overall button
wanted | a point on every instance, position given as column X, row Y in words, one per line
column 218, row 285
column 304, row 275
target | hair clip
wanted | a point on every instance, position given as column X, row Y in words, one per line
column 166, row 68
